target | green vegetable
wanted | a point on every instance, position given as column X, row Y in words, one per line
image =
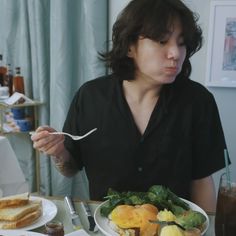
column 191, row 219
column 157, row 195
column 164, row 194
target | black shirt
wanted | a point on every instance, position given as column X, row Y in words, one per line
column 182, row 142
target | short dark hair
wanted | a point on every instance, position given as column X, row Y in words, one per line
column 151, row 19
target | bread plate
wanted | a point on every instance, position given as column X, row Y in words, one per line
column 104, row 227
column 49, row 211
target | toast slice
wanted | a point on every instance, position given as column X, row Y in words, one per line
column 18, row 212
column 28, row 219
column 14, row 200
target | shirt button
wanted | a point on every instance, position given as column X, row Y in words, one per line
column 140, row 169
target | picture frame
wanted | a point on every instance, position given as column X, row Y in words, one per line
column 221, row 53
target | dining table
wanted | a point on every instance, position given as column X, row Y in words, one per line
column 63, row 216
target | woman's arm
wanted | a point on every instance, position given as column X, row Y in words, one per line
column 203, row 193
column 65, row 163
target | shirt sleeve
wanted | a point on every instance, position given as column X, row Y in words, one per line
column 208, row 138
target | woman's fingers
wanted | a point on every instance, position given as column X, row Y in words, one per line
column 45, row 142
column 53, row 146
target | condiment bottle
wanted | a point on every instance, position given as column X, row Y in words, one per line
column 54, row 228
column 8, row 80
column 18, row 82
column 3, row 71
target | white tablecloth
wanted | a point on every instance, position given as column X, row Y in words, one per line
column 12, row 179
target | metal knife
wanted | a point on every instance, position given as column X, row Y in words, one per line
column 88, row 213
column 74, row 216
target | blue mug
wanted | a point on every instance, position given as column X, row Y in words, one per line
column 18, row 113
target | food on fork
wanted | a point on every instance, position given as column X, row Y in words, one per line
column 20, row 214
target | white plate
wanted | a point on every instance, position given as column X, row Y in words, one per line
column 18, row 233
column 103, row 222
column 49, row 212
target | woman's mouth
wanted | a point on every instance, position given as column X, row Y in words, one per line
column 171, row 70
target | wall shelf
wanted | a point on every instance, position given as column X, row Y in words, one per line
column 8, row 126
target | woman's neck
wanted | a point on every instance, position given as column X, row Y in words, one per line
column 139, row 91
column 142, row 100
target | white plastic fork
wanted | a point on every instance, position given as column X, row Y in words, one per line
column 75, row 137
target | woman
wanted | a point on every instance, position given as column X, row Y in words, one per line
column 155, row 125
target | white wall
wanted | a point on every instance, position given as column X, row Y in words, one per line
column 225, row 97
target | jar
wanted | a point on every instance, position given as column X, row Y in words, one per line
column 54, row 228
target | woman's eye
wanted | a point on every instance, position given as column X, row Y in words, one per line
column 162, row 42
column 182, row 44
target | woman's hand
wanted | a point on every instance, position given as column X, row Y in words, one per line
column 47, row 143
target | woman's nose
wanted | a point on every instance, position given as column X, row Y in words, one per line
column 173, row 52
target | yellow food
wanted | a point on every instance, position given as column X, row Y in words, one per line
column 166, row 215
column 171, row 230
column 126, row 217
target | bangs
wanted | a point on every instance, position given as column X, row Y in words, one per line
column 157, row 24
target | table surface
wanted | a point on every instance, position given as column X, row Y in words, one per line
column 63, row 216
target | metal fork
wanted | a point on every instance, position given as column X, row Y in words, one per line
column 75, row 137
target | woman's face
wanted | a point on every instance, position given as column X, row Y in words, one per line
column 159, row 61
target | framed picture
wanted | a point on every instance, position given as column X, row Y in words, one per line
column 221, row 54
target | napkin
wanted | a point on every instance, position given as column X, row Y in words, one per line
column 15, row 97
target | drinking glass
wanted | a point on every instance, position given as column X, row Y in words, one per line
column 225, row 220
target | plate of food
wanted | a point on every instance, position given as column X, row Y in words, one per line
column 134, row 213
column 25, row 212
column 19, row 233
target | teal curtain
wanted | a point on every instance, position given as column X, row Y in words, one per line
column 56, row 44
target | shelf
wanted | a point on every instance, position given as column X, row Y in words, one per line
column 8, row 120
column 6, row 106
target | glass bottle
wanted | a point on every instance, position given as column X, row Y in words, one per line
column 8, row 80
column 18, row 82
column 3, row 71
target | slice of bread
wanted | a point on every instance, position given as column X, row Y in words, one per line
column 14, row 200
column 28, row 219
column 18, row 212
